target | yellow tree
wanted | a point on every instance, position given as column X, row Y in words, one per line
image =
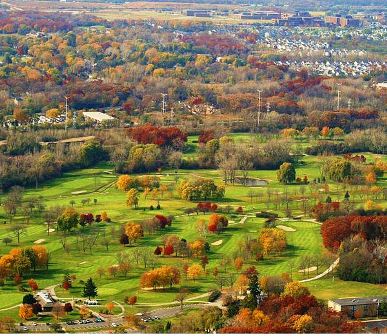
column 123, row 182
column 133, row 231
column 241, row 283
column 295, row 289
column 194, row 271
column 132, row 198
column 303, row 324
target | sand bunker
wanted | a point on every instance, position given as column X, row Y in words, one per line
column 79, row 192
column 285, row 228
column 217, row 243
column 39, row 241
column 310, row 269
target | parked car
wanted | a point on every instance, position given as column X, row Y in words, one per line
column 114, row 324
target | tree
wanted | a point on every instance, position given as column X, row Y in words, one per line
column 68, row 308
column 295, row 289
column 33, row 285
column 272, row 240
column 158, row 250
column 286, row 173
column 90, row 289
column 123, row 182
column 238, row 263
column 58, row 310
column 133, row 232
column 303, row 324
column 7, row 241
column 132, row 300
column 110, row 306
column 18, row 231
column 29, row 299
column 253, row 297
column 132, row 198
column 68, row 220
column 194, row 271
column 181, row 296
column 25, row 311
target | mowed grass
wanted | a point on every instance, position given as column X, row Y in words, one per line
column 98, row 183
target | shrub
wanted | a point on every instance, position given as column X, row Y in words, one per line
column 214, row 295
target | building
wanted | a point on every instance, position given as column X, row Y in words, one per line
column 343, row 21
column 98, row 117
column 366, row 307
column 261, row 15
column 300, row 19
column 198, row 13
column 45, row 299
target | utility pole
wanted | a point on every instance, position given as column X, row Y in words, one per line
column 163, row 107
column 259, row 108
column 66, row 111
column 338, row 97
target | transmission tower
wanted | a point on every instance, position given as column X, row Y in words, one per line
column 66, row 111
column 259, row 108
column 338, row 97
column 163, row 106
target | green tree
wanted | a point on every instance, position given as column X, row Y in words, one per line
column 90, row 289
column 68, row 220
column 286, row 173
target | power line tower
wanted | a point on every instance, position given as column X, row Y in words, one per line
column 163, row 106
column 338, row 97
column 66, row 111
column 259, row 108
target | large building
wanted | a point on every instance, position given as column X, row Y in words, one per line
column 261, row 15
column 45, row 299
column 300, row 19
column 365, row 307
column 343, row 21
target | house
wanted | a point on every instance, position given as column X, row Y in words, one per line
column 365, row 307
column 45, row 299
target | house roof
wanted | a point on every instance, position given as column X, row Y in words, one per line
column 99, row 116
column 359, row 301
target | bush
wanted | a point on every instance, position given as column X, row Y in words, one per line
column 214, row 295
column 265, row 214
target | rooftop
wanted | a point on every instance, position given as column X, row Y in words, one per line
column 99, row 116
column 359, row 301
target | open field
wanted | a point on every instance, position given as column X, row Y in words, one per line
column 99, row 183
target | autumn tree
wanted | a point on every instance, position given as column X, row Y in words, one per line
column 286, row 173
column 25, row 311
column 194, row 271
column 132, row 198
column 133, row 231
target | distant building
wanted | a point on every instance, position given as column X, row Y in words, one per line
column 300, row 19
column 198, row 13
column 367, row 307
column 45, row 299
column 98, row 117
column 260, row 15
column 343, row 21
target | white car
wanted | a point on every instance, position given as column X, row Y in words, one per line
column 114, row 324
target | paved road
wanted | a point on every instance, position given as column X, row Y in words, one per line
column 380, row 324
column 328, row 270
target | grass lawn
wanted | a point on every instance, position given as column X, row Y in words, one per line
column 98, row 183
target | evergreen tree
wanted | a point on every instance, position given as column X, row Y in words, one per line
column 90, row 289
column 253, row 297
column 328, row 200
column 347, row 196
